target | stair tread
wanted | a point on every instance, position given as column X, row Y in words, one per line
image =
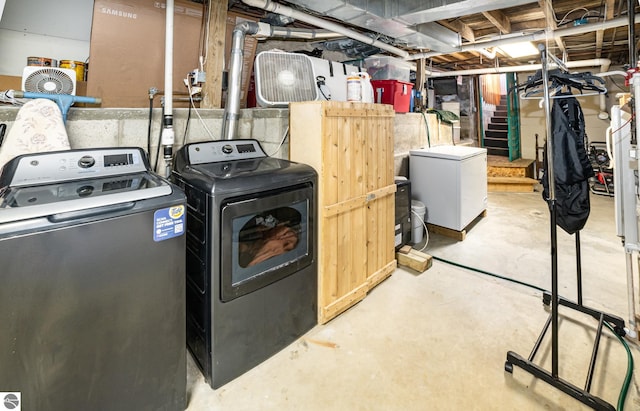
column 501, row 162
column 514, row 180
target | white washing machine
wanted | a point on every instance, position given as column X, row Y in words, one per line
column 452, row 183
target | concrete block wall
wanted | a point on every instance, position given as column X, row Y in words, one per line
column 95, row 127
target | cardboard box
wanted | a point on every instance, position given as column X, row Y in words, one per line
column 126, row 55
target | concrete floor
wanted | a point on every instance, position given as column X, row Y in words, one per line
column 438, row 340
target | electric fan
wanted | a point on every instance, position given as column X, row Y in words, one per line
column 49, row 80
column 282, row 78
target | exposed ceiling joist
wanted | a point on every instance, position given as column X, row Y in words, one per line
column 498, row 19
column 550, row 16
column 465, row 31
column 609, row 7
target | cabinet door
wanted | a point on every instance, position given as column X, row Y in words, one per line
column 342, row 278
column 380, row 235
column 351, row 147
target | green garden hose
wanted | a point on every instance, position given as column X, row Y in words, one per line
column 627, row 380
column 426, row 125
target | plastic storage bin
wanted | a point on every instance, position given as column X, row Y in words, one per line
column 396, row 93
column 387, row 68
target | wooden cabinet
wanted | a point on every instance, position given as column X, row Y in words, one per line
column 350, row 145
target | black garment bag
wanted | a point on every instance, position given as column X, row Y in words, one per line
column 572, row 168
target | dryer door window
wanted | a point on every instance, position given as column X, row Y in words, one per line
column 265, row 239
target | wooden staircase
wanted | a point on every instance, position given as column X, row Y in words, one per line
column 496, row 136
column 510, row 176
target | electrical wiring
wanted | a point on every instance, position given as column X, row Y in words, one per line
column 561, row 21
column 149, row 124
column 196, row 110
column 284, row 137
column 204, row 42
column 186, row 127
column 155, row 166
column 622, row 126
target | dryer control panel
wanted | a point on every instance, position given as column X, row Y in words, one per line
column 70, row 165
column 224, row 150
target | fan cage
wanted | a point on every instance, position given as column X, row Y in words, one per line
column 282, row 78
column 49, row 80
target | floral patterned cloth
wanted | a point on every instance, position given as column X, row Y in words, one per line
column 38, row 128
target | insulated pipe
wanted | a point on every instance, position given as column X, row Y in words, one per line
column 305, row 34
column 603, row 98
column 631, row 33
column 603, row 63
column 540, row 35
column 488, row 54
column 168, row 136
column 298, row 15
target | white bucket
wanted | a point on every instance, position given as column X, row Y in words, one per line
column 418, row 209
column 354, row 87
column 367, row 88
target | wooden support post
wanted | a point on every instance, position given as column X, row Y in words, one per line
column 215, row 42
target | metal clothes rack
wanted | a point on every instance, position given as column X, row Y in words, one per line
column 551, row 377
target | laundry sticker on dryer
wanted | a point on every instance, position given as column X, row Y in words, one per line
column 168, row 223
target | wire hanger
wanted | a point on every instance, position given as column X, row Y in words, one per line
column 562, row 84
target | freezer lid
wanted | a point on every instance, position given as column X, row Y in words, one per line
column 449, row 152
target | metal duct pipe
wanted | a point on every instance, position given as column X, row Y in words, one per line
column 232, row 106
column 603, row 63
column 289, row 12
column 541, row 35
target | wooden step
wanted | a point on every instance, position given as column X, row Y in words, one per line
column 496, row 133
column 498, row 126
column 496, row 142
column 499, row 152
column 502, row 167
column 511, row 184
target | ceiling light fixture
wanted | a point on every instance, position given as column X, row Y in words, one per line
column 516, row 50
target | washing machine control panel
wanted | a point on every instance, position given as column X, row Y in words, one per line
column 224, row 150
column 59, row 166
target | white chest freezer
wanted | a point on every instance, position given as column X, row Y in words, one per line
column 452, row 183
